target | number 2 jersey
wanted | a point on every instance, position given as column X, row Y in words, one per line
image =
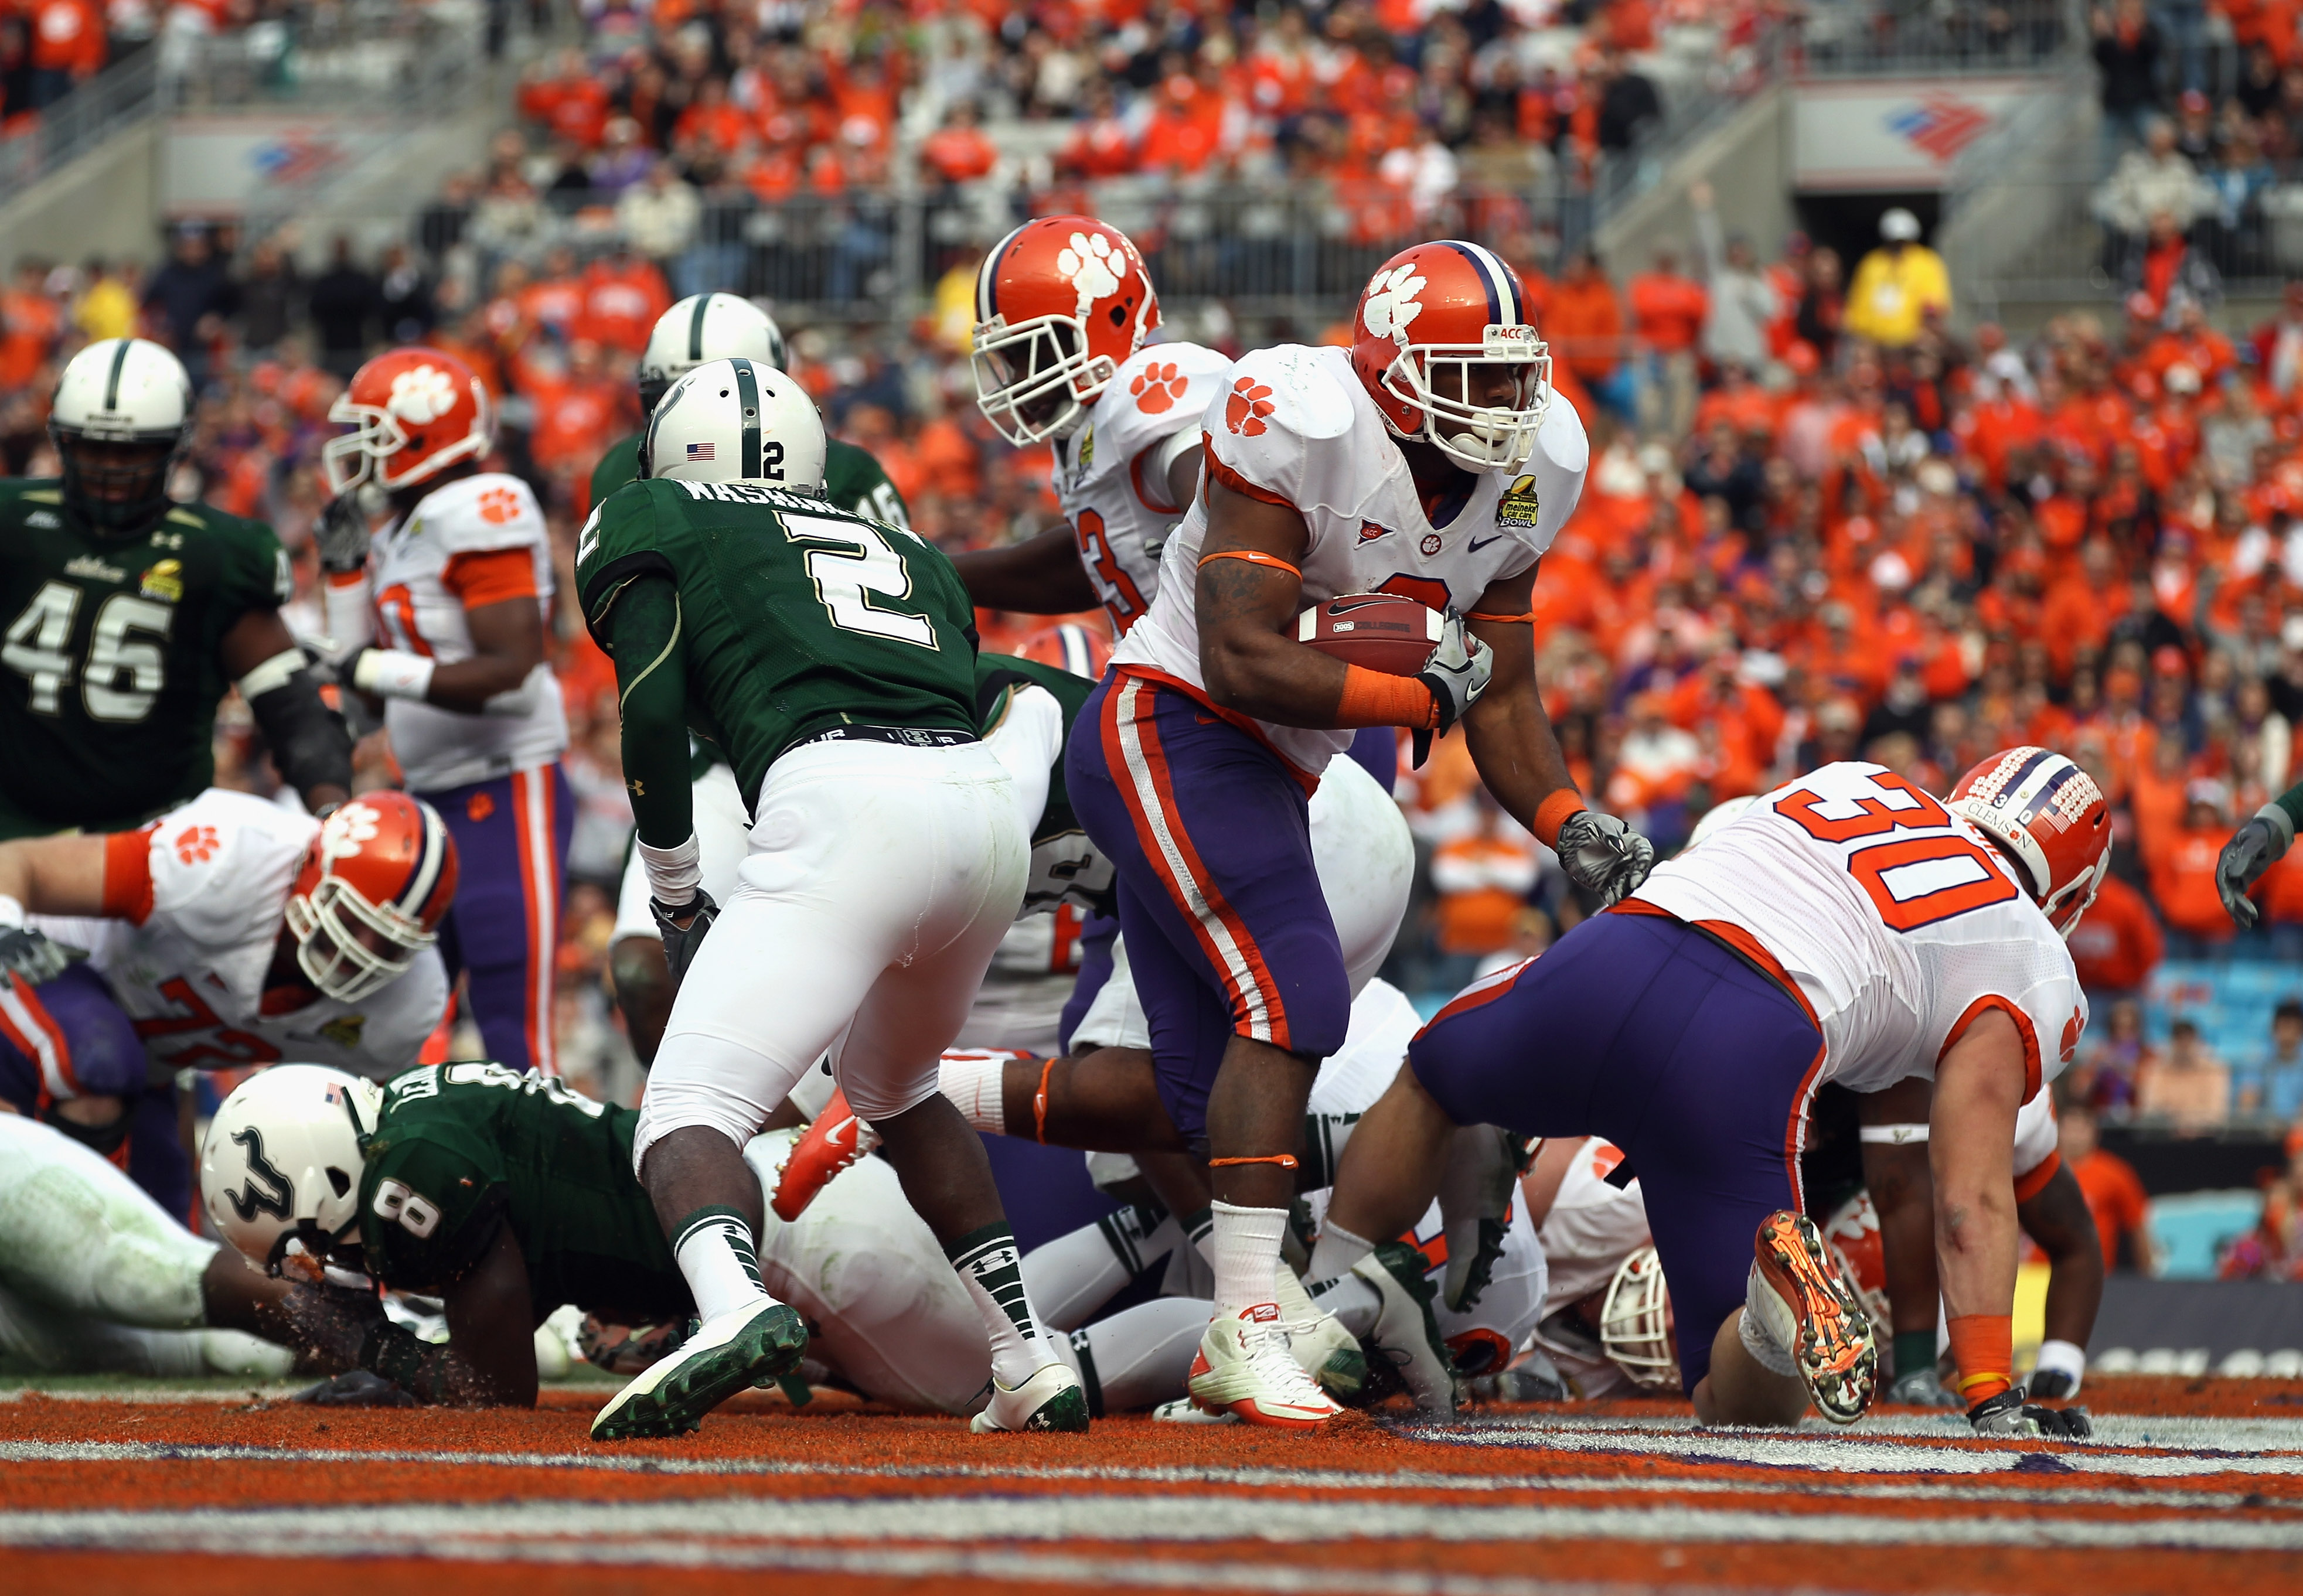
column 1899, row 923
column 196, row 903
column 795, row 617
column 477, row 541
column 460, row 1148
column 1296, row 428
column 107, row 703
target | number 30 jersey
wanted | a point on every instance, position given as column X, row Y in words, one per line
column 1900, row 923
column 795, row 617
column 111, row 654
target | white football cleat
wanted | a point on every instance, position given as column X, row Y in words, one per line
column 747, row 1346
column 1052, row 1399
column 1406, row 1336
column 1244, row 1367
column 1323, row 1349
column 1183, row 1410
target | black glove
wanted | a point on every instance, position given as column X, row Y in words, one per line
column 2253, row 849
column 1602, row 855
column 2048, row 1385
column 1457, row 674
column 30, row 957
column 679, row 946
column 2012, row 1414
column 341, row 534
column 356, row 1388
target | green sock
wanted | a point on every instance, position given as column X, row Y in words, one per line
column 1914, row 1349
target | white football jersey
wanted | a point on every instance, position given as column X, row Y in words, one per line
column 1900, row 922
column 1102, row 479
column 192, row 970
column 1295, row 427
column 2036, row 1136
column 417, row 613
column 1592, row 1227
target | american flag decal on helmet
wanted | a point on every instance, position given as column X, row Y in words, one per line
column 700, row 451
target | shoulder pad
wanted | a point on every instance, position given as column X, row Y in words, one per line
column 1273, row 428
column 489, row 510
column 1158, row 391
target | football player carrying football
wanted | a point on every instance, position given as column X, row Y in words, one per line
column 1846, row 928
column 832, row 659
column 700, row 328
column 128, row 615
column 441, row 614
column 1429, row 461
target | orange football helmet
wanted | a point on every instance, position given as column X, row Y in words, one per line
column 371, row 893
column 1852, row 1234
column 1082, row 650
column 2048, row 813
column 1428, row 315
column 415, row 412
column 1059, row 303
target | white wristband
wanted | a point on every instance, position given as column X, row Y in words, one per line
column 12, row 912
column 1894, row 1136
column 2279, row 821
column 674, row 874
column 2065, row 1358
column 391, row 673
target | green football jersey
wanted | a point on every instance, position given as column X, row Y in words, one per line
column 107, row 703
column 852, row 479
column 795, row 616
column 1065, row 863
column 462, row 1148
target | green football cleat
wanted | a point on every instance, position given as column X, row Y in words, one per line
column 731, row 1353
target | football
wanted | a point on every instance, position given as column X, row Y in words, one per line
column 1381, row 631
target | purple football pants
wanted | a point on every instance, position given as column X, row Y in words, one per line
column 1651, row 1034
column 502, row 931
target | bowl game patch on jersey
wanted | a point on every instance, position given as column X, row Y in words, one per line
column 1519, row 506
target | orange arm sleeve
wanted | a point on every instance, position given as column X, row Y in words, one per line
column 128, row 875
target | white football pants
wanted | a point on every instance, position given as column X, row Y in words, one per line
column 879, row 878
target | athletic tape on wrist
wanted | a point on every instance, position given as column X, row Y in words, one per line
column 390, row 673
column 12, row 912
column 1892, row 1136
column 2279, row 821
column 675, row 873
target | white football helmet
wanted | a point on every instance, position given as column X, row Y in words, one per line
column 705, row 327
column 730, row 421
column 1636, row 1330
column 281, row 1161
column 1718, row 815
column 131, row 400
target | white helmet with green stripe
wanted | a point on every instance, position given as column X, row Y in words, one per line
column 730, row 421
column 121, row 419
column 705, row 327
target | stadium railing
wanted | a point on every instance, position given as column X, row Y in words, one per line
column 1840, row 39
column 118, row 98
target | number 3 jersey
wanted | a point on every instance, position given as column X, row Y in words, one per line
column 1296, row 428
column 463, row 1147
column 112, row 649
column 478, row 540
column 1899, row 922
column 795, row 617
column 196, row 905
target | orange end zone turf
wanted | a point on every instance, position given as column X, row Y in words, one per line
column 2192, row 1484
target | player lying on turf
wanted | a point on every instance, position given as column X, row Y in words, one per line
column 234, row 932
column 1848, row 927
column 506, row 1194
column 832, row 659
column 95, row 1277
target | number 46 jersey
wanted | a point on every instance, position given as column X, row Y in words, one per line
column 795, row 617
column 107, row 703
column 1899, row 922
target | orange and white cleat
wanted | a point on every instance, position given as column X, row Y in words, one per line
column 836, row 1139
column 1245, row 1368
column 1806, row 1308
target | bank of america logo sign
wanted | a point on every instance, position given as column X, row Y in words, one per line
column 1939, row 124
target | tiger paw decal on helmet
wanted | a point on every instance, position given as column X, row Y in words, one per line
column 1060, row 303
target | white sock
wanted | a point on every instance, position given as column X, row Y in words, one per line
column 1139, row 1357
column 972, row 1081
column 1076, row 1273
column 713, row 1248
column 1247, row 1255
column 1354, row 1303
column 991, row 1269
column 1296, row 1305
column 1757, row 1327
column 1336, row 1251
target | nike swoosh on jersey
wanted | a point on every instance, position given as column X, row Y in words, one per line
column 1476, row 544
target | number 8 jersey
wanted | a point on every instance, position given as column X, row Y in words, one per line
column 1898, row 921
column 795, row 617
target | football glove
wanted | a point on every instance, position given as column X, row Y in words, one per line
column 340, row 534
column 2050, row 1384
column 1457, row 674
column 2012, row 1414
column 356, row 1388
column 2252, row 850
column 30, row 957
column 1602, row 855
column 679, row 945
column 1921, row 1388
